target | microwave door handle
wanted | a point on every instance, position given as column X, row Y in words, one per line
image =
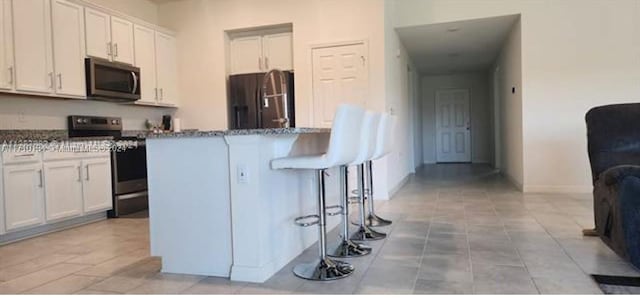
column 135, row 82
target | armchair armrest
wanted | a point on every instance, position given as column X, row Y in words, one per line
column 615, row 174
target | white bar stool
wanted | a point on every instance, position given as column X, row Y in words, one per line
column 343, row 148
column 368, row 145
column 382, row 148
column 346, row 248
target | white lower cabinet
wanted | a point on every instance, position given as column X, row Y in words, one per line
column 38, row 189
column 63, row 189
column 96, row 186
column 23, row 196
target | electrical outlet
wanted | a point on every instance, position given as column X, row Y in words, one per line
column 243, row 174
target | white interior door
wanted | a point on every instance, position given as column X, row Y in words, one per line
column 453, row 137
column 340, row 75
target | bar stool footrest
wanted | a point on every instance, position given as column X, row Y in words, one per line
column 334, row 213
column 302, row 220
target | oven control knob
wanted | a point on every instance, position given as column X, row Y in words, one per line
column 79, row 120
column 85, row 121
column 114, row 122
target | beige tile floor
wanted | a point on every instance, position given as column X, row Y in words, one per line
column 457, row 229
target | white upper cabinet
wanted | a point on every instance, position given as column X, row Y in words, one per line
column 23, row 196
column 68, row 48
column 122, row 40
column 145, row 57
column 261, row 52
column 277, row 51
column 63, row 189
column 96, row 185
column 98, row 33
column 246, row 55
column 32, row 43
column 6, row 46
column 166, row 69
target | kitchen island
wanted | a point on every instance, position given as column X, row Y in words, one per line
column 216, row 207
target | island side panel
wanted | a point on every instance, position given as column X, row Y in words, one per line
column 189, row 205
column 266, row 203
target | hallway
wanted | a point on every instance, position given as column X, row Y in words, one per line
column 457, row 229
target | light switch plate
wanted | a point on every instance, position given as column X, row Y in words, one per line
column 243, row 174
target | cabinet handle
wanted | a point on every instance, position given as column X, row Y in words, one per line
column 87, row 177
column 266, row 63
column 260, row 63
column 156, row 91
column 51, row 79
column 10, row 74
column 109, row 49
column 60, row 81
column 161, row 93
column 24, row 155
column 40, row 175
column 115, row 48
column 79, row 173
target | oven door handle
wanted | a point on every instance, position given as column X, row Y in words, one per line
column 133, row 195
column 135, row 82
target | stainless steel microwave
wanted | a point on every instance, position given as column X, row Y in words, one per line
column 109, row 81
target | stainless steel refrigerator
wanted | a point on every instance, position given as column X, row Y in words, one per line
column 247, row 108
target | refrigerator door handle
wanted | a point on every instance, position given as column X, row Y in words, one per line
column 237, row 117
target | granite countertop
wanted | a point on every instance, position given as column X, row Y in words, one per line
column 238, row 132
column 46, row 135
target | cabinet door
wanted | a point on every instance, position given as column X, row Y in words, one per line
column 63, row 189
column 145, row 57
column 122, row 40
column 68, row 48
column 96, row 186
column 23, row 200
column 278, row 51
column 246, row 55
column 6, row 46
column 32, row 46
column 98, row 33
column 167, row 69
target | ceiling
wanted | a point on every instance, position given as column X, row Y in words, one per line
column 463, row 46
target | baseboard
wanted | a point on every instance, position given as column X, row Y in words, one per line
column 513, row 181
column 398, row 186
column 50, row 228
column 558, row 188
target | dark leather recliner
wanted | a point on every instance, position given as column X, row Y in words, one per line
column 613, row 133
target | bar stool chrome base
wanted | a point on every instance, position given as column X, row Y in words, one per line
column 324, row 269
column 374, row 220
column 349, row 249
column 367, row 234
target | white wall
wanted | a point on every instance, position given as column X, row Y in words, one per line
column 400, row 162
column 201, row 25
column 510, row 107
column 145, row 10
column 30, row 112
column 576, row 54
column 480, row 113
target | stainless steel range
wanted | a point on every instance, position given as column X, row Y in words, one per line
column 128, row 166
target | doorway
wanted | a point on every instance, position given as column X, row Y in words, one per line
column 453, row 126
